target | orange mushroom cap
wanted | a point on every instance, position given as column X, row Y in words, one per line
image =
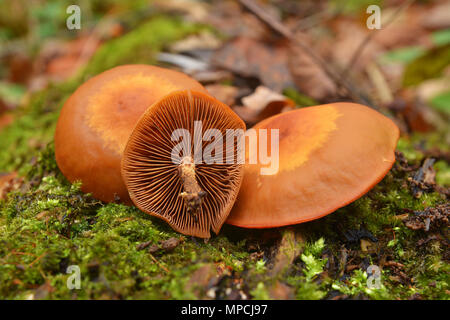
column 96, row 121
column 194, row 197
column 329, row 156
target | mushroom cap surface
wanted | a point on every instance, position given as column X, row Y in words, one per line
column 153, row 177
column 97, row 119
column 329, row 156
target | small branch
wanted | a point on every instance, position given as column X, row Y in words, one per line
column 278, row 27
column 370, row 36
column 159, row 263
column 37, row 259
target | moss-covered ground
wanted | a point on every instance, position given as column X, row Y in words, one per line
column 47, row 225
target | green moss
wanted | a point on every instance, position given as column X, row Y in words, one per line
column 53, row 225
column 140, row 45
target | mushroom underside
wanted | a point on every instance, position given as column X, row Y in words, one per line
column 161, row 166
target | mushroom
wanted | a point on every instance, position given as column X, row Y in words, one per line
column 178, row 181
column 329, row 156
column 97, row 119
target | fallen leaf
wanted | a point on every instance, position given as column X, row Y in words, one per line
column 253, row 58
column 429, row 219
column 349, row 36
column 263, row 103
column 194, row 10
column 264, row 98
column 424, row 179
column 203, row 279
column 281, row 291
column 5, row 119
column 165, row 246
column 201, row 41
column 308, row 76
column 231, row 20
column 366, row 245
column 60, row 60
column 8, row 183
column 223, row 93
column 404, row 30
column 170, row 244
column 438, row 17
column 20, row 68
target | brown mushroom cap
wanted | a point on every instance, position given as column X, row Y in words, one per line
column 329, row 156
column 96, row 121
column 158, row 186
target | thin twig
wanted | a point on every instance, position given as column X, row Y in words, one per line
column 370, row 36
column 159, row 263
column 277, row 26
column 37, row 259
column 314, row 19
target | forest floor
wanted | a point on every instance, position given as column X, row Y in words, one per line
column 392, row 243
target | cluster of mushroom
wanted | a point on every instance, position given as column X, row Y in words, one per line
column 115, row 135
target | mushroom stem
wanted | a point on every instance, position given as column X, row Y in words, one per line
column 192, row 193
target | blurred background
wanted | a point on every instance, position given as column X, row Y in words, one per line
column 298, row 53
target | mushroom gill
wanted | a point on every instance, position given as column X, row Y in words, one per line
column 167, row 173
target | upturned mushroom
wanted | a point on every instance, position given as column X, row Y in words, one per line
column 96, row 121
column 181, row 162
column 329, row 156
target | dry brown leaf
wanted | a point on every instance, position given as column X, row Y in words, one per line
column 230, row 19
column 223, row 93
column 252, row 58
column 404, row 30
column 5, row 119
column 203, row 278
column 8, row 183
column 281, row 291
column 308, row 76
column 414, row 113
column 438, row 17
column 203, row 40
column 349, row 36
column 20, row 67
column 263, row 98
column 261, row 104
column 61, row 60
column 194, row 10
column 432, row 87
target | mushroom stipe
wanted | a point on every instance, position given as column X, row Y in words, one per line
column 192, row 193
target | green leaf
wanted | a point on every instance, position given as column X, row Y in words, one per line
column 441, row 102
column 428, row 66
column 441, row 37
column 404, row 55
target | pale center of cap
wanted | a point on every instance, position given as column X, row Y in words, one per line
column 115, row 109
